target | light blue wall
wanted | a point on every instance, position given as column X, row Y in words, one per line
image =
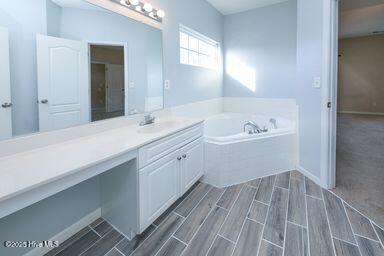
column 188, row 83
column 265, row 40
column 309, row 65
column 46, row 218
column 23, row 20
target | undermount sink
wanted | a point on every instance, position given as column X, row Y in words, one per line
column 157, row 127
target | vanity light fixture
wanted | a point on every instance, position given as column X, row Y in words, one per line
column 144, row 8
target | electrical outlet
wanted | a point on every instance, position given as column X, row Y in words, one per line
column 317, row 82
column 167, row 85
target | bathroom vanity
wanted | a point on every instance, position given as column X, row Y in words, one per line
column 143, row 170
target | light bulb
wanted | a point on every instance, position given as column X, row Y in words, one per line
column 134, row 2
column 160, row 13
column 147, row 7
column 123, row 2
column 138, row 8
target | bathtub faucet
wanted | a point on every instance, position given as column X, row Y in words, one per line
column 255, row 127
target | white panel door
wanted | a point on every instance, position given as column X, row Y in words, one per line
column 63, row 83
column 5, row 87
column 192, row 165
column 159, row 188
column 115, row 87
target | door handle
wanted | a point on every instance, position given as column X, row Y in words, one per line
column 6, row 105
column 184, row 156
column 44, row 101
column 179, row 158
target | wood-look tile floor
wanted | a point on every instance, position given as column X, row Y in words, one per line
column 285, row 214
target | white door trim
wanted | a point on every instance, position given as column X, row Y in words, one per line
column 126, row 68
column 329, row 93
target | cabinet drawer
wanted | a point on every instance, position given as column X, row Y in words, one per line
column 162, row 147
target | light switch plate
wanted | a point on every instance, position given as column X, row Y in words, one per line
column 131, row 85
column 167, row 84
column 317, row 82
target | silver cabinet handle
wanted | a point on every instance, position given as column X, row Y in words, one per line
column 184, row 156
column 44, row 101
column 179, row 158
column 6, row 105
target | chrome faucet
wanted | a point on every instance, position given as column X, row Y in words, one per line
column 255, row 127
column 148, row 119
column 273, row 121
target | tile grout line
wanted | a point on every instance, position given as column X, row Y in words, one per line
column 254, row 200
column 245, row 219
column 354, row 208
column 226, row 239
column 377, row 234
column 342, row 240
column 197, row 231
column 169, row 238
column 367, row 238
column 281, row 247
column 142, row 242
column 306, row 213
column 95, row 243
column 329, row 225
column 349, row 222
column 314, row 197
column 172, row 236
column 269, row 207
column 286, row 214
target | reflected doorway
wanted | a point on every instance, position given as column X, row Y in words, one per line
column 107, row 81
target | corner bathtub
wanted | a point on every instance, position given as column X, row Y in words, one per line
column 233, row 156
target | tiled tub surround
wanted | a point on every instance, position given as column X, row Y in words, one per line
column 232, row 156
column 285, row 214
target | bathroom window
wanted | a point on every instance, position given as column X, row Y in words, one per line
column 197, row 49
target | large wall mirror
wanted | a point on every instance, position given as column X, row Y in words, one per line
column 68, row 62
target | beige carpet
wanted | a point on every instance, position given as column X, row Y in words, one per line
column 360, row 163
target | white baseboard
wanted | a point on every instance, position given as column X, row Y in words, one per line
column 310, row 175
column 361, row 113
column 67, row 233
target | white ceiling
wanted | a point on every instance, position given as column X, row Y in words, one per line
column 346, row 5
column 361, row 21
column 235, row 6
column 77, row 4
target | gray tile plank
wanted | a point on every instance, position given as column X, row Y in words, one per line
column 228, row 198
column 296, row 205
column 191, row 201
column 103, row 228
column 159, row 237
column 258, row 212
column 80, row 245
column 312, row 189
column 338, row 220
column 360, row 224
column 380, row 233
column 345, row 249
column 221, row 247
column 254, row 183
column 172, row 247
column 114, row 252
column 295, row 240
column 232, row 225
column 282, row 180
column 204, row 238
column 128, row 246
column 320, row 242
column 249, row 239
column 275, row 224
column 104, row 245
column 163, row 216
column 297, row 175
column 198, row 215
column 68, row 242
column 369, row 247
column 265, row 189
column 268, row 249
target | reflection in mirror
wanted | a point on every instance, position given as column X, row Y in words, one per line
column 67, row 62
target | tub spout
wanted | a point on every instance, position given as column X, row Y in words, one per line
column 255, row 127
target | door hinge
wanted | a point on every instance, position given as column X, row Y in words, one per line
column 329, row 104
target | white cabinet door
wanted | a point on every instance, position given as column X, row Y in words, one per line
column 5, row 87
column 63, row 83
column 159, row 188
column 192, row 165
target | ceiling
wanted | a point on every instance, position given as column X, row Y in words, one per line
column 77, row 4
column 227, row 7
column 346, row 5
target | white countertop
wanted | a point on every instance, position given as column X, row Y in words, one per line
column 30, row 169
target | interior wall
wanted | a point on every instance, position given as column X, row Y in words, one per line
column 361, row 76
column 309, row 66
column 264, row 39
